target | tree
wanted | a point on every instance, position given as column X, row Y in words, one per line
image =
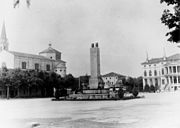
column 172, row 20
column 17, row 2
column 152, row 88
column 147, row 88
column 121, row 93
column 139, row 83
column 135, row 91
column 6, row 79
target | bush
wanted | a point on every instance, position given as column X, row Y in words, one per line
column 135, row 92
column 152, row 88
column 121, row 93
column 57, row 94
column 146, row 88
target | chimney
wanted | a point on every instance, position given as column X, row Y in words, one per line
column 50, row 45
column 97, row 44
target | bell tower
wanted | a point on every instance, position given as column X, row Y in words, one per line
column 4, row 45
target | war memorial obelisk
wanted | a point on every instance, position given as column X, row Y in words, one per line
column 94, row 66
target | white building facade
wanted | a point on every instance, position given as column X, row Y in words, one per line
column 47, row 60
column 112, row 79
column 163, row 73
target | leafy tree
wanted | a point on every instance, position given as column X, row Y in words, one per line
column 147, row 88
column 152, row 88
column 139, row 83
column 121, row 93
column 135, row 92
column 129, row 82
column 6, row 79
column 172, row 20
column 17, row 2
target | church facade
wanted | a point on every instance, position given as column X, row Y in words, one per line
column 48, row 60
column 163, row 73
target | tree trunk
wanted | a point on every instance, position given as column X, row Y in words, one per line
column 18, row 92
column 8, row 92
column 28, row 92
column 45, row 93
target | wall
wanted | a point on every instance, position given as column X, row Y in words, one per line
column 8, row 58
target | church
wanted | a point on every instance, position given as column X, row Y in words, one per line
column 47, row 60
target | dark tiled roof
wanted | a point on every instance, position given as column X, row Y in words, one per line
column 112, row 74
column 29, row 55
column 50, row 50
column 174, row 57
column 153, row 60
column 157, row 60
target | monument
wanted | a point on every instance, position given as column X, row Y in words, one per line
column 94, row 66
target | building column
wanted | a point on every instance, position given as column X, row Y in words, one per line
column 177, row 70
column 177, row 79
column 169, row 79
column 172, row 79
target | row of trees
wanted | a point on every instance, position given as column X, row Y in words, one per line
column 44, row 81
column 150, row 88
column 132, row 83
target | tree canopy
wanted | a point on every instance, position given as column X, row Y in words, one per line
column 171, row 18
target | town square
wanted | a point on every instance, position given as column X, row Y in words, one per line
column 81, row 63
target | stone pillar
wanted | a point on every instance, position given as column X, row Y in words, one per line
column 172, row 79
column 95, row 66
column 169, row 80
column 176, row 69
column 177, row 79
column 167, row 72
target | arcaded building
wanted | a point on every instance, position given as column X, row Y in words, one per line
column 163, row 73
column 47, row 60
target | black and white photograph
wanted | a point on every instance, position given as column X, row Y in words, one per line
column 89, row 63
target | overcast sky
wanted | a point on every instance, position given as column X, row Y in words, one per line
column 125, row 30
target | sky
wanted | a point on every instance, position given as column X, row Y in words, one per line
column 124, row 29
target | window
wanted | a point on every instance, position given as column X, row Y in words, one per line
column 145, row 73
column 151, row 82
column 175, row 79
column 150, row 73
column 174, row 69
column 156, row 82
column 162, row 71
column 170, row 69
column 163, row 82
column 154, row 64
column 23, row 65
column 47, row 67
column 36, row 66
column 144, row 65
column 149, row 65
column 178, row 68
column 155, row 73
